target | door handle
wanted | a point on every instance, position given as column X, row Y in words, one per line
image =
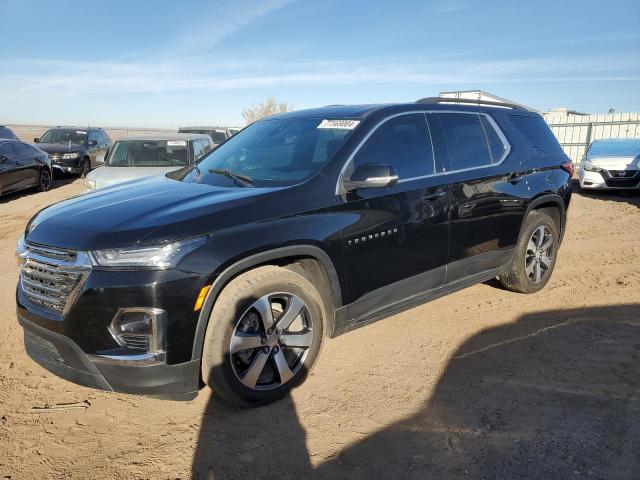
column 435, row 196
column 515, row 177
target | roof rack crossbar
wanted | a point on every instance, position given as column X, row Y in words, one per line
column 471, row 101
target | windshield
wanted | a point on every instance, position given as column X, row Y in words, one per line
column 619, row 148
column 275, row 152
column 75, row 137
column 149, row 153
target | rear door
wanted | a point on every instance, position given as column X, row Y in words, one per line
column 397, row 240
column 28, row 167
column 487, row 200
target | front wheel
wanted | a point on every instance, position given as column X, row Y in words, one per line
column 535, row 255
column 86, row 168
column 264, row 335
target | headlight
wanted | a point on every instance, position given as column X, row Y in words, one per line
column 21, row 249
column 590, row 167
column 69, row 156
column 158, row 257
column 88, row 183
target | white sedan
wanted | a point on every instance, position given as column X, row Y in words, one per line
column 611, row 164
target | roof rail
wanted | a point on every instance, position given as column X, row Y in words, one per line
column 471, row 101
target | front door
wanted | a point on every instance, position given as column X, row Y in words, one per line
column 396, row 242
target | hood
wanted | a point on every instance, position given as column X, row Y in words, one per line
column 59, row 147
column 141, row 212
column 106, row 176
column 616, row 163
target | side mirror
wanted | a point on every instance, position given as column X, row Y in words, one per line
column 93, row 143
column 370, row 175
column 36, row 140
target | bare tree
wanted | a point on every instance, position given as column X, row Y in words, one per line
column 270, row 107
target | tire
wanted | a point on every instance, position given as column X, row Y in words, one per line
column 522, row 275
column 86, row 167
column 44, row 179
column 236, row 318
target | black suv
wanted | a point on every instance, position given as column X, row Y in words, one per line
column 75, row 150
column 304, row 225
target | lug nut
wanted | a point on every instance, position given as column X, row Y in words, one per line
column 270, row 331
column 265, row 350
column 275, row 349
column 263, row 340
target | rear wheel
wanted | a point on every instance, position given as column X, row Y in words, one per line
column 535, row 255
column 86, row 168
column 264, row 335
column 44, row 180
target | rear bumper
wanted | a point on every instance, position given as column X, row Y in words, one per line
column 63, row 357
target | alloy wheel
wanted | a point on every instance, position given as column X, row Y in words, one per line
column 539, row 256
column 45, row 179
column 270, row 341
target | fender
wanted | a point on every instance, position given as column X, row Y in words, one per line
column 554, row 198
column 254, row 260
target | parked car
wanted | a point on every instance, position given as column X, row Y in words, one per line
column 75, row 150
column 138, row 157
column 611, row 164
column 23, row 166
column 233, row 130
column 6, row 132
column 304, row 225
column 217, row 134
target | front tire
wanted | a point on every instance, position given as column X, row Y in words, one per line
column 535, row 255
column 264, row 335
column 86, row 168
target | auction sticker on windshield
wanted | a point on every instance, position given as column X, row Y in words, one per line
column 342, row 124
column 176, row 143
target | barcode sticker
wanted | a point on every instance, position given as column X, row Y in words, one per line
column 341, row 124
column 176, row 143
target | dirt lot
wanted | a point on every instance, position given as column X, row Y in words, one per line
column 481, row 384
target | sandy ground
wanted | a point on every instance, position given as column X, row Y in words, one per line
column 481, row 384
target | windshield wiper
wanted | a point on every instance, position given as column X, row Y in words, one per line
column 240, row 179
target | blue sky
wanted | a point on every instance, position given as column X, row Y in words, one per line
column 170, row 63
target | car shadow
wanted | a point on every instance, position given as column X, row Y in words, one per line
column 59, row 180
column 555, row 394
column 631, row 197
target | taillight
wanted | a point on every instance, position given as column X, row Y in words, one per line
column 568, row 167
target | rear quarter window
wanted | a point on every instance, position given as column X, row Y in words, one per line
column 537, row 133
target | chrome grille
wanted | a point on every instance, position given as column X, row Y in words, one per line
column 135, row 341
column 50, row 278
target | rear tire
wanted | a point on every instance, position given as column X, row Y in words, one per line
column 535, row 255
column 44, row 179
column 249, row 355
column 86, row 168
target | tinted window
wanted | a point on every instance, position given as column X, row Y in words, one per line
column 403, row 142
column 95, row 136
column 496, row 146
column 198, row 149
column 465, row 140
column 63, row 136
column 105, row 138
column 272, row 152
column 218, row 136
column 537, row 132
column 6, row 133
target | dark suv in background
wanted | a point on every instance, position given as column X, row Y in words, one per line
column 75, row 150
column 303, row 226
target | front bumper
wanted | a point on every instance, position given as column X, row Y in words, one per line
column 63, row 357
column 604, row 181
column 72, row 165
